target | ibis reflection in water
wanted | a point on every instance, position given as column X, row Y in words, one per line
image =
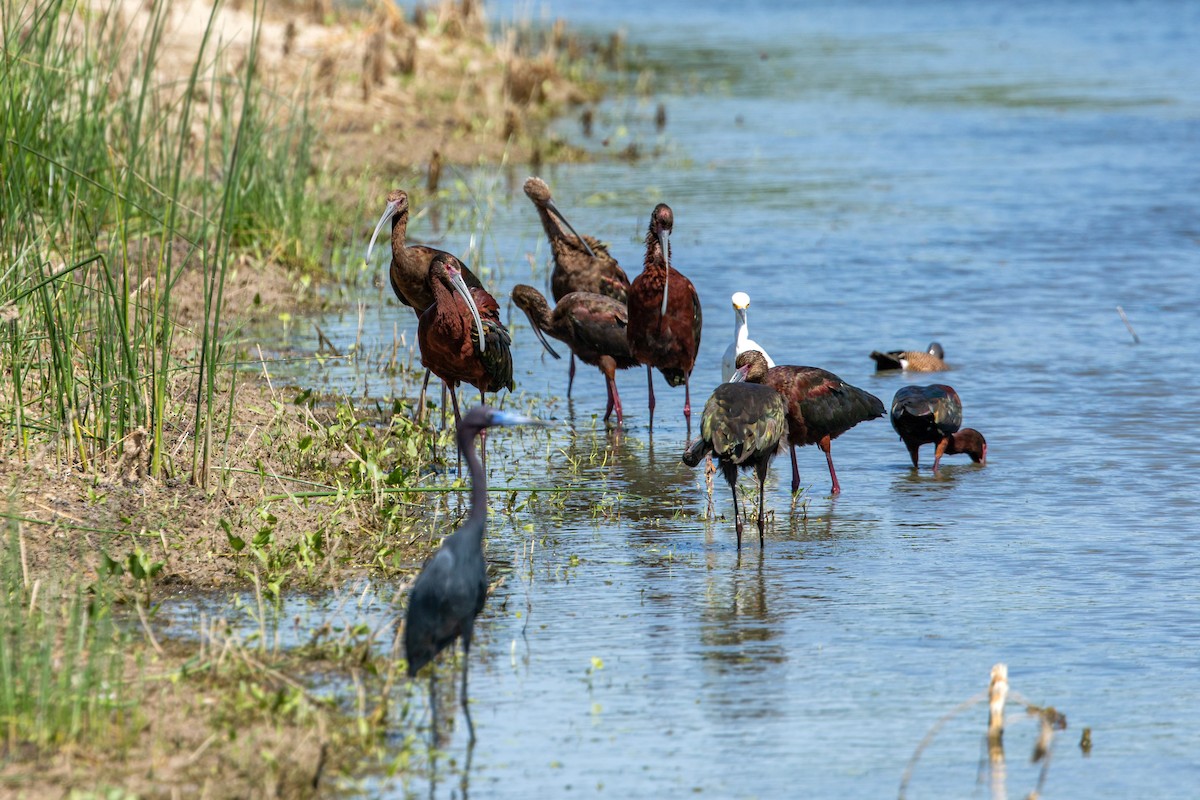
column 592, row 325
column 741, row 337
column 743, row 424
column 932, row 360
column 933, row 414
column 581, row 263
column 664, row 314
column 451, row 589
column 820, row 407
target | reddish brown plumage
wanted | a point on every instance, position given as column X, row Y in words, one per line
column 409, row 270
column 449, row 340
column 666, row 341
column 820, row 408
column 581, row 263
column 933, row 415
column 592, row 325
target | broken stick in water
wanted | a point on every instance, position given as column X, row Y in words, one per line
column 1125, row 319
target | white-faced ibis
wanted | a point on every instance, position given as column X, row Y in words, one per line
column 454, row 329
column 928, row 414
column 452, row 587
column 664, row 313
column 820, row 407
column 932, row 360
column 592, row 325
column 409, row 270
column 581, row 263
column 742, row 425
column 741, row 338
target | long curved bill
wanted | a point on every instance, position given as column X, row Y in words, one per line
column 664, row 241
column 387, row 214
column 554, row 209
column 508, row 419
column 460, row 285
column 541, row 336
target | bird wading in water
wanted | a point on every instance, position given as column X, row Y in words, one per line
column 664, row 314
column 451, row 589
column 743, row 425
column 933, row 415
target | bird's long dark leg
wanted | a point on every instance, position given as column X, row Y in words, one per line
column 608, row 409
column 433, row 726
column 421, row 399
column 737, row 520
column 444, row 406
column 913, row 450
column 761, row 484
column 571, row 376
column 465, row 707
column 795, row 471
column 650, row 387
column 824, row 444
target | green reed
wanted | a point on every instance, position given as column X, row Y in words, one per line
column 61, row 664
column 116, row 181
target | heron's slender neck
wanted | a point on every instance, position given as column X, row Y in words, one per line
column 741, row 330
column 478, row 516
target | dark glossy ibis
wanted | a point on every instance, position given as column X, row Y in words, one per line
column 452, row 587
column 932, row 360
column 409, row 270
column 592, row 325
column 741, row 338
column 664, row 314
column 742, row 425
column 460, row 334
column 820, row 407
column 581, row 263
column 929, row 414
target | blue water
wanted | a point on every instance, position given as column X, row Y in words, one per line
column 998, row 177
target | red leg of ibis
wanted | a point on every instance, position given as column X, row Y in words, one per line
column 795, row 471
column 482, row 438
column 650, row 387
column 687, row 400
column 571, row 376
column 824, row 445
column 937, row 454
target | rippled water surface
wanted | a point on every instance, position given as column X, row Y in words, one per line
column 998, row 177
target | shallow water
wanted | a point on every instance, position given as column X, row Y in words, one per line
column 995, row 177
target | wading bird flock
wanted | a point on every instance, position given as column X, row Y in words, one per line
column 611, row 323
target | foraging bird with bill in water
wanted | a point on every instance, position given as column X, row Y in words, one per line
column 581, row 263
column 664, row 314
column 932, row 360
column 820, row 407
column 933, row 414
column 408, row 272
column 741, row 337
column 592, row 325
column 743, row 425
column 460, row 334
column 451, row 589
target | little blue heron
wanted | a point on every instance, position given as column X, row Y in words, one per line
column 928, row 414
column 932, row 360
column 452, row 586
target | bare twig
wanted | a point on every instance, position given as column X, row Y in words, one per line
column 1125, row 319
